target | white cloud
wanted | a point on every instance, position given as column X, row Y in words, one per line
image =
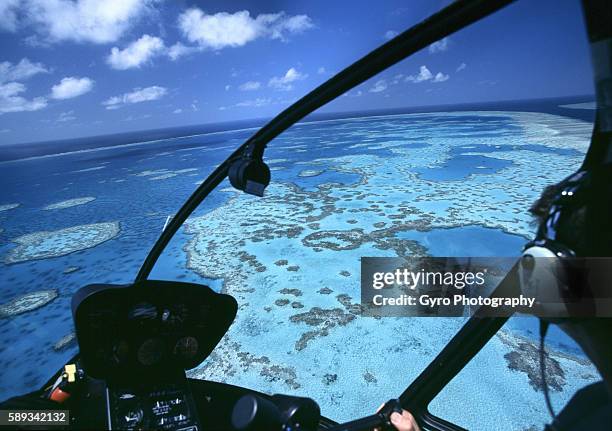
column 321, row 70
column 179, row 50
column 461, row 67
column 251, row 103
column 138, row 117
column 219, row 30
column 250, row 86
column 439, row 46
column 146, row 48
column 440, row 77
column 23, row 70
column 66, row 116
column 70, row 87
column 137, row 96
column 285, row 82
column 278, row 24
column 274, row 26
column 85, row 20
column 255, row 102
column 177, row 111
column 380, row 85
column 224, row 29
column 35, row 41
column 397, row 78
column 424, row 75
column 136, row 53
column 390, row 34
column 357, row 93
column 227, row 87
column 11, row 101
column 8, row 14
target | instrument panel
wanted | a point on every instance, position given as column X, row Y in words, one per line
column 169, row 407
column 152, row 327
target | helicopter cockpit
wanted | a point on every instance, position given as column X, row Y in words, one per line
column 299, row 191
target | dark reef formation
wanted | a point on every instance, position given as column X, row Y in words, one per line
column 228, row 359
column 294, row 292
column 323, row 320
column 525, row 357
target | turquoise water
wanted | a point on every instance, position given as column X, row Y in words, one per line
column 468, row 241
column 415, row 184
column 461, row 166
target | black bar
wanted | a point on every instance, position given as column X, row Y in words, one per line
column 466, row 343
column 470, row 339
column 364, row 424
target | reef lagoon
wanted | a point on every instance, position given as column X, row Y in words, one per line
column 442, row 184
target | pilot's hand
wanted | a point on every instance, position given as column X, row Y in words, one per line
column 404, row 422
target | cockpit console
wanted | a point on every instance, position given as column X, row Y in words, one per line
column 139, row 339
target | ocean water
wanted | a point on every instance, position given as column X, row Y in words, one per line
column 443, row 183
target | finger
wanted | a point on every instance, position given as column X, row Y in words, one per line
column 405, row 421
column 401, row 422
column 407, row 417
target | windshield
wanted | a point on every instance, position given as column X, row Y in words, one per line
column 451, row 182
column 374, row 173
column 442, row 184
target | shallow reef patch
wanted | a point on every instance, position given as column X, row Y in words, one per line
column 6, row 207
column 27, row 302
column 69, row 203
column 47, row 244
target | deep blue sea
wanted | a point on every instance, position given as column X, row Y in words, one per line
column 450, row 181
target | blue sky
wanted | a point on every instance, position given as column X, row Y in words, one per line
column 71, row 68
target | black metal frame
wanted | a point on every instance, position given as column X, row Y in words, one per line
column 460, row 350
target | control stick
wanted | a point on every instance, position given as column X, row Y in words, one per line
column 287, row 413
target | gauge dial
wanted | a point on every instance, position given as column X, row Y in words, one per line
column 150, row 351
column 186, row 347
